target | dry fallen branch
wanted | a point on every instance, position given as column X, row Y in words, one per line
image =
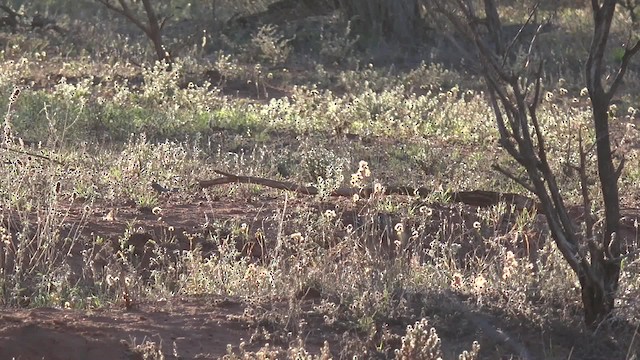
column 31, row 154
column 479, row 198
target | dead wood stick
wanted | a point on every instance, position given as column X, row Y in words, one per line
column 479, row 198
column 28, row 153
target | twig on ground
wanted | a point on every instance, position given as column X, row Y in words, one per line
column 28, row 153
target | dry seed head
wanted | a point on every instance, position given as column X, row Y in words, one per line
column 479, row 284
column 297, row 237
column 510, row 257
column 111, row 215
column 330, row 214
column 356, row 180
column 112, row 280
column 426, row 210
column 5, row 236
column 378, row 189
column 363, row 169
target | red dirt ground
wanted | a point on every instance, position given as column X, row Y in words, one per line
column 198, row 328
column 192, row 327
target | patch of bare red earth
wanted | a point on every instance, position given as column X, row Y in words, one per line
column 200, row 328
column 197, row 328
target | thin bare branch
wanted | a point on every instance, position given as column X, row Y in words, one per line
column 516, row 179
column 542, row 152
column 124, row 11
column 538, row 86
column 628, row 54
column 620, row 167
column 464, row 52
column 505, row 135
column 152, row 29
column 519, row 33
column 164, row 21
column 508, row 107
column 530, row 48
column 625, row 256
column 488, row 58
column 29, row 153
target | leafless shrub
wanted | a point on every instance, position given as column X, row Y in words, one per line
column 513, row 73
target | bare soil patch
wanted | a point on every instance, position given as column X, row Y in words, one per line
column 203, row 327
column 194, row 328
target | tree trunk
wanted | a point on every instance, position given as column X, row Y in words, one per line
column 392, row 20
column 161, row 52
column 154, row 31
column 599, row 296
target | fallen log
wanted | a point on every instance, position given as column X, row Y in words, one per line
column 480, row 198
